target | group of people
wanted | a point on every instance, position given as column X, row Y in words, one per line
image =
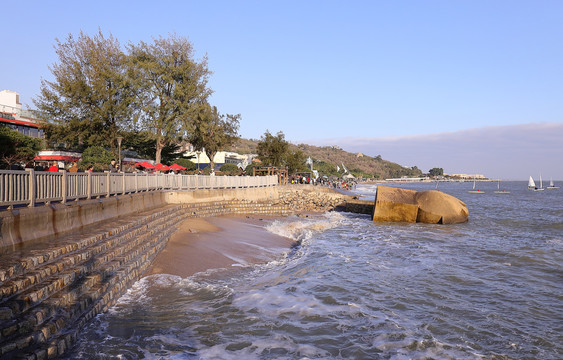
column 54, row 167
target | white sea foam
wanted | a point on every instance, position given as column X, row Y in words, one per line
column 257, row 348
column 303, row 228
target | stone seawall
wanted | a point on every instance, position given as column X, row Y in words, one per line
column 80, row 265
column 49, row 291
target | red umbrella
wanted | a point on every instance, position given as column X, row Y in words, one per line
column 161, row 167
column 145, row 164
column 177, row 167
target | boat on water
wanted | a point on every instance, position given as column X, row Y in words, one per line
column 552, row 185
column 499, row 191
column 532, row 185
column 475, row 191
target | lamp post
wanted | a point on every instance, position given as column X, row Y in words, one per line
column 197, row 168
column 119, row 139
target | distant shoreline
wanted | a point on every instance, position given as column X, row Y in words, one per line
column 407, row 181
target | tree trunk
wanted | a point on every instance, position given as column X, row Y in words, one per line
column 159, row 147
column 211, row 163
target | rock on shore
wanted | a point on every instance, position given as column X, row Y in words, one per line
column 432, row 207
column 311, row 198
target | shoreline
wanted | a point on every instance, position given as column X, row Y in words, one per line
column 222, row 242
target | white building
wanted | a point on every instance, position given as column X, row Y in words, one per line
column 13, row 116
column 221, row 157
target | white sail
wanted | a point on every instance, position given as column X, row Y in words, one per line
column 541, row 183
column 552, row 185
column 531, row 183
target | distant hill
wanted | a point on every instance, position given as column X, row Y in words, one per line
column 327, row 158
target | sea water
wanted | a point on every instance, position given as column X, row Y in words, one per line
column 491, row 288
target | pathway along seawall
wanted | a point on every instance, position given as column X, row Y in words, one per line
column 61, row 265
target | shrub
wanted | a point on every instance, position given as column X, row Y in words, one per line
column 188, row 164
column 229, row 169
column 97, row 156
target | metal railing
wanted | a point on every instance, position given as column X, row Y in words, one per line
column 31, row 187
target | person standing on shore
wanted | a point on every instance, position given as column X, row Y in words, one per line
column 112, row 166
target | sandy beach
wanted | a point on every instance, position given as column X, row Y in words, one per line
column 201, row 244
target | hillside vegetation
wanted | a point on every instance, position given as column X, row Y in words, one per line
column 327, row 158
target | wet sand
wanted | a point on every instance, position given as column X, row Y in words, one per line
column 202, row 244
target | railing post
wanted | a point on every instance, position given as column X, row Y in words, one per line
column 108, row 185
column 64, row 186
column 123, row 182
column 136, row 183
column 89, row 186
column 31, row 175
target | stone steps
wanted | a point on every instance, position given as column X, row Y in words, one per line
column 39, row 272
column 50, row 290
column 46, row 295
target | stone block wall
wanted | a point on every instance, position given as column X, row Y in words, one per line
column 50, row 290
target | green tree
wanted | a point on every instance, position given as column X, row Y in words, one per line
column 273, row 150
column 144, row 144
column 229, row 169
column 436, row 172
column 171, row 86
column 295, row 162
column 211, row 131
column 97, row 156
column 325, row 168
column 90, row 96
column 188, row 164
column 250, row 168
column 16, row 147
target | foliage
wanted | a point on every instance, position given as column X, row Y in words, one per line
column 295, row 162
column 212, row 131
column 171, row 86
column 90, row 96
column 243, row 146
column 436, row 172
column 229, row 169
column 188, row 164
column 250, row 168
column 326, row 158
column 16, row 147
column 144, row 144
column 272, row 150
column 324, row 168
column 97, row 156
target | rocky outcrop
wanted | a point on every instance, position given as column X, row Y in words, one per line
column 432, row 207
column 310, row 198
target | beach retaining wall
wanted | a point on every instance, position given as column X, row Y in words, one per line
column 50, row 290
column 54, row 280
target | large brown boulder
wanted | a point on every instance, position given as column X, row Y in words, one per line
column 432, row 207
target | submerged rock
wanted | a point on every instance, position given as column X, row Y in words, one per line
column 432, row 207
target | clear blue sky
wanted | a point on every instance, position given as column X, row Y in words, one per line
column 327, row 70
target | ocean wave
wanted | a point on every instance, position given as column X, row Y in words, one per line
column 304, row 228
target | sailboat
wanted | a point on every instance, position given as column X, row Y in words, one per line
column 499, row 191
column 475, row 191
column 541, row 186
column 531, row 183
column 551, row 185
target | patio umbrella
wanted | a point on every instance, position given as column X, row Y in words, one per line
column 161, row 167
column 177, row 167
column 145, row 164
